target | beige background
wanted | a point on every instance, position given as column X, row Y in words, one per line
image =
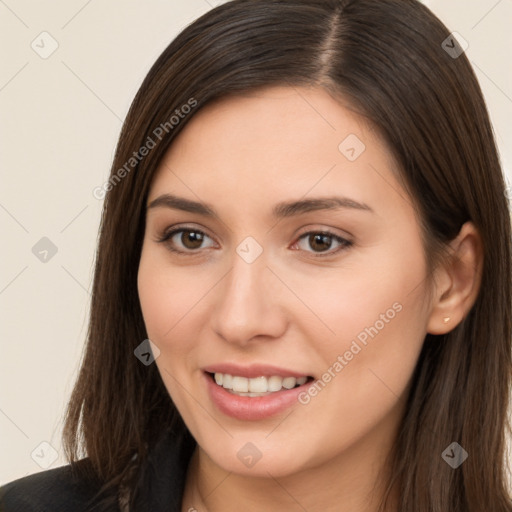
column 60, row 119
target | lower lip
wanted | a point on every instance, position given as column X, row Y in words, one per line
column 252, row 408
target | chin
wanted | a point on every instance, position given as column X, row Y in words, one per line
column 254, row 456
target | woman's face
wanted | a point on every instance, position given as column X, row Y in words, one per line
column 302, row 258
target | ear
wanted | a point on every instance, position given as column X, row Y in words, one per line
column 457, row 281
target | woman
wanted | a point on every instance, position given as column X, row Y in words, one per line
column 306, row 216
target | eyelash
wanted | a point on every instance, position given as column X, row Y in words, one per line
column 344, row 244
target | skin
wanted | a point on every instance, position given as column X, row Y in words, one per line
column 242, row 155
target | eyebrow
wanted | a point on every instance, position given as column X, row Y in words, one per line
column 280, row 210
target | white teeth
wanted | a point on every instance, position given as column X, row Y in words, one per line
column 227, row 381
column 257, row 386
column 289, row 382
column 240, row 384
column 275, row 383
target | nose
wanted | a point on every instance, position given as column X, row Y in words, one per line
column 249, row 303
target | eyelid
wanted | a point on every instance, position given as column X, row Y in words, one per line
column 345, row 235
column 170, row 232
column 344, row 242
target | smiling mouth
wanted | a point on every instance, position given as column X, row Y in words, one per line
column 257, row 386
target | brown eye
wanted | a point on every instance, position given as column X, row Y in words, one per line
column 321, row 242
column 185, row 240
column 191, row 239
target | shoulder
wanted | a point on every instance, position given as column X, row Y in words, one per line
column 55, row 490
column 157, row 486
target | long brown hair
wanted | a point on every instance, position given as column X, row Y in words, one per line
column 385, row 57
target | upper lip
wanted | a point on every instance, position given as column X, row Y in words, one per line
column 253, row 370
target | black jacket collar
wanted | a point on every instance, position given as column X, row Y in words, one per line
column 161, row 481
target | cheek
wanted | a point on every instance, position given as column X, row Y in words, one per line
column 364, row 292
column 373, row 314
column 167, row 296
column 170, row 298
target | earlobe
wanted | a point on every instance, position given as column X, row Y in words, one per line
column 457, row 281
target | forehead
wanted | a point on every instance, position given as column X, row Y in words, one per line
column 274, row 142
column 285, row 121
